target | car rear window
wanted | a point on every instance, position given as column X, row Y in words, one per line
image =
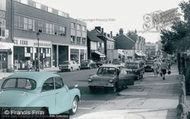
column 19, row 83
column 107, row 71
column 131, row 65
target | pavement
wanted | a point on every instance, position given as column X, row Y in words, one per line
column 151, row 98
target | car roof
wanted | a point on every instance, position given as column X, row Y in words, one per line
column 39, row 77
column 110, row 65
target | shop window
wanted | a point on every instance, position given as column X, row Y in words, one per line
column 28, row 50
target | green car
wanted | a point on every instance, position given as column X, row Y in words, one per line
column 39, row 89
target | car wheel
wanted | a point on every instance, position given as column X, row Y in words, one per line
column 71, row 69
column 115, row 88
column 92, row 89
column 45, row 110
column 74, row 106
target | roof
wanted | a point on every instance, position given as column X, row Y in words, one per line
column 39, row 77
column 93, row 35
column 124, row 42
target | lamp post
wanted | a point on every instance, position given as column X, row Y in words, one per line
column 38, row 51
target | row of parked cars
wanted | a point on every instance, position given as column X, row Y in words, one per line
column 73, row 65
column 116, row 77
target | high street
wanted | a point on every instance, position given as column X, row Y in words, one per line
column 149, row 97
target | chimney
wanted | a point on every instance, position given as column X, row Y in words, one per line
column 111, row 34
column 98, row 28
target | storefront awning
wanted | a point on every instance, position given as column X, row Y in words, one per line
column 99, row 53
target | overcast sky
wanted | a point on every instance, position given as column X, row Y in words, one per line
column 126, row 14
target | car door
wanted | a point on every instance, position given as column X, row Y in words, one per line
column 62, row 98
column 48, row 94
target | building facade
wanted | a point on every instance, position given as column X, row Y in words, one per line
column 39, row 31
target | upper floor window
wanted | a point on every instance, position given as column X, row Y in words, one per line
column 54, row 11
column 62, row 31
column 83, row 41
column 78, row 40
column 73, row 25
column 31, row 3
column 43, row 7
column 50, row 28
column 72, row 39
column 83, row 28
column 29, row 24
column 19, row 22
column 78, row 27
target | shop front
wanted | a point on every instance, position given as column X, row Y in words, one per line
column 26, row 53
column 78, row 53
column 6, row 58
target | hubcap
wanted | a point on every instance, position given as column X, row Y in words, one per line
column 75, row 105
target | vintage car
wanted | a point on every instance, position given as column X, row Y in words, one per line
column 39, row 89
column 136, row 68
column 108, row 77
column 69, row 66
column 87, row 64
column 149, row 66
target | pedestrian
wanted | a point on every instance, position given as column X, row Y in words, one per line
column 156, row 68
column 163, row 69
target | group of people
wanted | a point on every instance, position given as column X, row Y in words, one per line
column 162, row 67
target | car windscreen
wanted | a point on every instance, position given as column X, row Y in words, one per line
column 19, row 83
column 131, row 65
column 107, row 71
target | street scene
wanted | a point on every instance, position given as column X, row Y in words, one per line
column 117, row 65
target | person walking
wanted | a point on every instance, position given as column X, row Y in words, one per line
column 163, row 69
column 156, row 68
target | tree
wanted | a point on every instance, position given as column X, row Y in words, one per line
column 177, row 39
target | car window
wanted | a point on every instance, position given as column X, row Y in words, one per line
column 58, row 83
column 107, row 71
column 48, row 85
column 19, row 83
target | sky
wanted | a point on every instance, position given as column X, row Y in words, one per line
column 113, row 14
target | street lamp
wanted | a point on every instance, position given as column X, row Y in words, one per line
column 38, row 51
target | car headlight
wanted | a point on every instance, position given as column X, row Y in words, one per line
column 111, row 80
column 89, row 80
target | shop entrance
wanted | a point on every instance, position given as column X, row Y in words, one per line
column 3, row 60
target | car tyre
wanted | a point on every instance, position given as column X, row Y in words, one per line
column 71, row 70
column 45, row 110
column 92, row 89
column 74, row 106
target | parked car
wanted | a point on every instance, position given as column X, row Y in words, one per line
column 39, row 89
column 136, row 68
column 117, row 62
column 149, row 66
column 87, row 64
column 107, row 77
column 69, row 66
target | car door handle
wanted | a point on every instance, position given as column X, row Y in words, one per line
column 57, row 93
